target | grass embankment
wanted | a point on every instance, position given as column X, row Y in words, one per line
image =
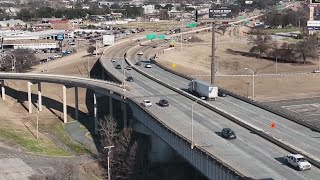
column 59, row 130
column 30, row 144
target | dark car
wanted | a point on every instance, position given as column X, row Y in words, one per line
column 118, row 66
column 222, row 94
column 138, row 63
column 163, row 103
column 130, row 79
column 228, row 133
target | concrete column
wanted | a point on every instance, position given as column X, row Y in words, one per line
column 95, row 106
column 311, row 12
column 39, row 97
column 125, row 114
column 110, row 106
column 76, row 103
column 3, row 92
column 64, row 92
column 29, row 97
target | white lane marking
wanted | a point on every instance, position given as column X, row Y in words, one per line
column 42, row 171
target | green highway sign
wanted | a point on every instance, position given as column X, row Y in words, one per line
column 161, row 36
column 151, row 36
column 192, row 25
column 241, row 18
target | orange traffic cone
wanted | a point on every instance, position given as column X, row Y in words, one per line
column 273, row 125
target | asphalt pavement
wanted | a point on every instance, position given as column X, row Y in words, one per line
column 249, row 153
column 297, row 135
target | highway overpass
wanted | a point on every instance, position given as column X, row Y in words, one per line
column 252, row 155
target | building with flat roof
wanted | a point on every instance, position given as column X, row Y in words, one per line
column 12, row 23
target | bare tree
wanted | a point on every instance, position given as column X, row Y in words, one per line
column 307, row 48
column 123, row 154
column 286, row 52
column 91, row 49
column 19, row 60
column 261, row 42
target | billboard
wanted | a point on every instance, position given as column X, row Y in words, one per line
column 314, row 1
column 313, row 25
column 220, row 13
column 108, row 39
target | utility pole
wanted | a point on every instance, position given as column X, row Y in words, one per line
column 213, row 69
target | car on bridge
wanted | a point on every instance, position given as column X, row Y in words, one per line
column 140, row 53
column 222, row 94
column 297, row 161
column 118, row 66
column 146, row 103
column 147, row 66
column 113, row 60
column 128, row 68
column 130, row 79
column 228, row 133
column 163, row 103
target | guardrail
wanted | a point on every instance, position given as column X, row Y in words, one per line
column 250, row 127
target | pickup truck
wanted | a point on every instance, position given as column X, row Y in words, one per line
column 297, row 161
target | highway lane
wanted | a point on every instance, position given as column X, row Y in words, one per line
column 262, row 158
column 292, row 133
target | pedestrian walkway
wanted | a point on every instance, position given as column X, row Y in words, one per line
column 79, row 133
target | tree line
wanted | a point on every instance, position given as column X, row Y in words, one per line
column 264, row 46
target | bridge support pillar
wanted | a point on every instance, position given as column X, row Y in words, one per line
column 125, row 114
column 76, row 103
column 29, row 97
column 64, row 94
column 3, row 92
column 95, row 112
column 39, row 97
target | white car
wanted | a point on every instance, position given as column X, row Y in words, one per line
column 146, row 103
column 113, row 60
column 140, row 53
column 298, row 161
column 316, row 71
column 147, row 66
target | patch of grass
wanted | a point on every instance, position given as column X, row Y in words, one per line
column 30, row 144
column 59, row 130
column 283, row 30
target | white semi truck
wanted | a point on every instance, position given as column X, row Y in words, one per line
column 204, row 89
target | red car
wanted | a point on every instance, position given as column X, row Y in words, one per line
column 163, row 103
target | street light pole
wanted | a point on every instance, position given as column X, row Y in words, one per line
column 277, row 65
column 252, row 81
column 109, row 152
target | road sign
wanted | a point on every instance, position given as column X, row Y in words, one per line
column 220, row 13
column 173, row 65
column 192, row 25
column 60, row 37
column 151, row 36
column 315, row 2
column 161, row 36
